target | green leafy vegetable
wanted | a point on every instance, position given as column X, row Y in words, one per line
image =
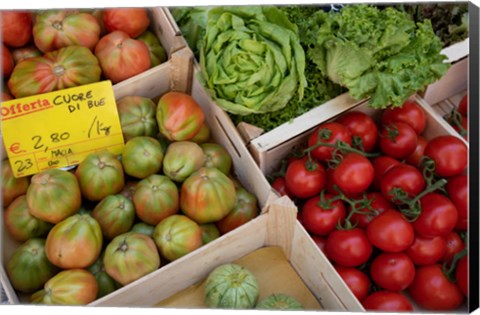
column 381, row 54
column 251, row 59
column 449, row 20
column 192, row 21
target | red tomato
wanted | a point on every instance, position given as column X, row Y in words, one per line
column 461, row 275
column 133, row 21
column 398, row 140
column 319, row 220
column 377, row 202
column 279, row 185
column 356, row 280
column 7, row 61
column 362, row 126
column 463, row 106
column 321, row 242
column 449, row 153
column 304, row 178
column 432, row 290
column 387, row 301
column 410, row 113
column 16, row 27
column 381, row 164
column 354, row 174
column 438, row 216
column 427, row 250
column 403, row 176
column 330, row 133
column 349, row 248
column 414, row 158
column 455, row 244
column 390, row 232
column 457, row 190
column 392, row 271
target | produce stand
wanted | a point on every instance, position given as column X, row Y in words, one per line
column 275, row 245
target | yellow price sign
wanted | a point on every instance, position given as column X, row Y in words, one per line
column 60, row 128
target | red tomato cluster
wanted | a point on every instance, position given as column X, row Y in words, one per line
column 387, row 206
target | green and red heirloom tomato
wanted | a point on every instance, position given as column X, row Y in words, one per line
column 115, row 214
column 7, row 61
column 55, row 29
column 12, row 187
column 99, row 175
column 20, row 224
column 133, row 21
column 25, row 52
column 210, row 232
column 182, row 159
column 207, row 195
column 106, row 284
column 56, row 70
column 217, row 156
column 156, row 197
column 131, row 256
column 179, row 116
column 75, row 242
column 137, row 116
column 53, row 195
column 157, row 52
column 203, row 135
column 279, row 301
column 16, row 27
column 387, row 301
column 432, row 290
column 68, row 287
column 142, row 157
column 121, row 56
column 144, row 228
column 231, row 286
column 28, row 268
column 244, row 210
column 176, row 236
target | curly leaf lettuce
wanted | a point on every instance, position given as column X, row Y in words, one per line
column 381, row 54
column 251, row 59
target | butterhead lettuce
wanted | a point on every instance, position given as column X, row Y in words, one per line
column 251, row 59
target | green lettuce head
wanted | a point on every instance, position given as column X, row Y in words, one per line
column 251, row 59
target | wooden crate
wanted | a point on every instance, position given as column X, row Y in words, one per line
column 277, row 226
column 455, row 81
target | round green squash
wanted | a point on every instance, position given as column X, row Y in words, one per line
column 279, row 301
column 231, row 286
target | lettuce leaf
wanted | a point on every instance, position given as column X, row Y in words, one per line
column 380, row 54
